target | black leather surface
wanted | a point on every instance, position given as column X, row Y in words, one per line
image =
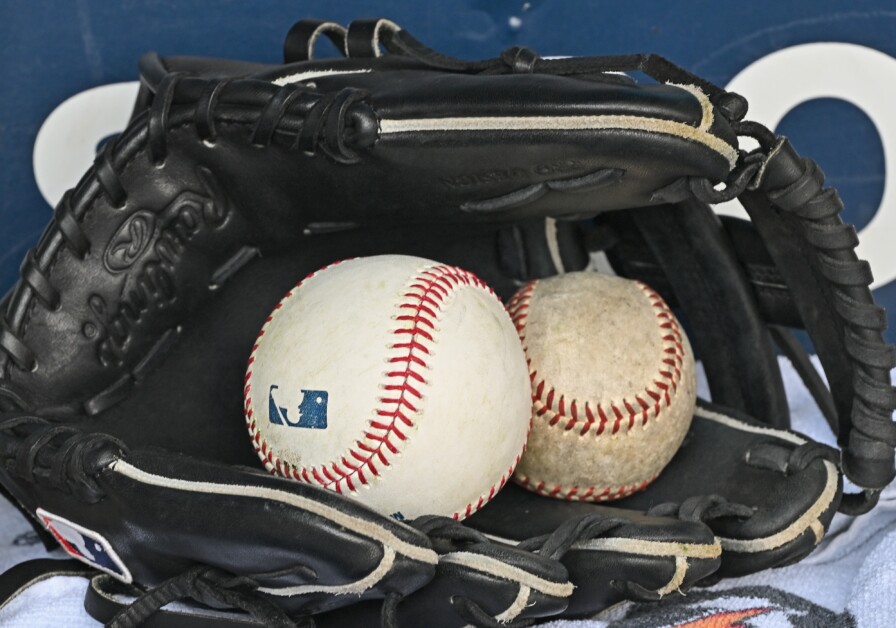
column 191, row 403
column 600, row 572
column 435, row 604
column 152, row 261
column 714, row 460
column 136, row 310
column 719, row 310
column 171, row 529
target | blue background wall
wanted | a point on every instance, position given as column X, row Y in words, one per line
column 53, row 50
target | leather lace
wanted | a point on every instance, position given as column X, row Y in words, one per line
column 209, row 586
column 338, row 124
column 446, row 534
column 61, row 456
column 702, row 508
column 587, row 527
column 214, row 587
column 772, row 456
column 798, row 190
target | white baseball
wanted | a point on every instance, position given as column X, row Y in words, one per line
column 613, row 385
column 396, row 380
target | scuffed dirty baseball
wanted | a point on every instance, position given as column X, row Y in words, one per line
column 396, row 380
column 613, row 385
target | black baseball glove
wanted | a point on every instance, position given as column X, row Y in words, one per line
column 123, row 346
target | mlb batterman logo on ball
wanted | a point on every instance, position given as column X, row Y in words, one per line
column 312, row 411
column 396, row 380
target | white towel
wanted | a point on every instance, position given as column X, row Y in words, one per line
column 849, row 580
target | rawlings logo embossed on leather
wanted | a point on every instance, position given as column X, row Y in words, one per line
column 129, row 241
column 152, row 246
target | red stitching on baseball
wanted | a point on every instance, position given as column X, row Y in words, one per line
column 424, row 298
column 591, row 494
column 552, row 407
